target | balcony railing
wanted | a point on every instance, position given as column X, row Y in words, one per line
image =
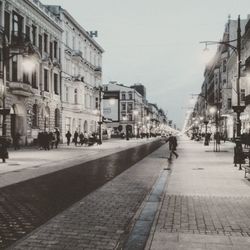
column 19, row 88
column 19, row 39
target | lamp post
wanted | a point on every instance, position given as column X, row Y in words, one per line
column 100, row 115
column 238, row 109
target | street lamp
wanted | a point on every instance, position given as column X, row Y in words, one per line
column 238, row 152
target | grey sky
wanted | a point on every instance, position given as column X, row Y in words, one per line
column 156, row 42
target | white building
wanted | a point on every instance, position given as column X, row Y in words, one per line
column 32, row 95
column 81, row 76
column 125, row 106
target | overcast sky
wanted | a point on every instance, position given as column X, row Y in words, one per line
column 156, row 42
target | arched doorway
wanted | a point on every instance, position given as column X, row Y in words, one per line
column 86, row 126
column 18, row 120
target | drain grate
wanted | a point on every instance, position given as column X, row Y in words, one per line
column 198, row 169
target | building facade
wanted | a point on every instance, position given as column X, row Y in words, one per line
column 81, row 76
column 33, row 91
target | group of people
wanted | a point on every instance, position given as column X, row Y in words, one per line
column 81, row 138
column 48, row 140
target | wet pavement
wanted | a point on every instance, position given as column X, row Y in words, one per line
column 26, row 205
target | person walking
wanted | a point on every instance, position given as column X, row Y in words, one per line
column 57, row 135
column 68, row 136
column 172, row 140
column 81, row 136
column 75, row 140
column 16, row 141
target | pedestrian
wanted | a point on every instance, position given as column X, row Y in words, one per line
column 57, row 135
column 52, row 139
column 46, row 140
column 86, row 137
column 68, row 136
column 75, row 139
column 81, row 136
column 172, row 140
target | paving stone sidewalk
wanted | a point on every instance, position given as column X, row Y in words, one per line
column 206, row 203
column 103, row 219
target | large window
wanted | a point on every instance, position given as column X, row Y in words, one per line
column 40, row 44
column 14, row 69
column 34, row 79
column 123, row 106
column 56, row 84
column 55, row 49
column 130, row 97
column 229, row 103
column 46, row 80
column 17, row 24
column 35, row 116
column 57, row 118
column 123, row 96
column 34, row 34
column 130, row 107
column 45, row 42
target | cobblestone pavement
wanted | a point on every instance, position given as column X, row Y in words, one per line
column 206, row 203
column 26, row 205
column 103, row 219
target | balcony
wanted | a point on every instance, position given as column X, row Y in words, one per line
column 77, row 55
column 20, row 89
column 19, row 39
column 98, row 69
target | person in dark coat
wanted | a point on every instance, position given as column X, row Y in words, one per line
column 172, row 140
column 75, row 138
column 68, row 136
column 81, row 136
column 57, row 135
column 46, row 140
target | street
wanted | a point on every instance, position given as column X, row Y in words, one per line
column 28, row 204
column 198, row 201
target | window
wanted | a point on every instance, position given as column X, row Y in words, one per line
column 242, row 95
column 45, row 42
column 40, row 44
column 96, row 103
column 67, row 38
column 67, row 94
column 75, row 96
column 34, row 33
column 17, row 24
column 123, row 96
column 25, row 77
column 56, row 84
column 130, row 96
column 28, row 32
column 57, row 118
column 55, row 49
column 130, row 117
column 229, row 103
column 14, row 69
column 34, row 79
column 51, row 50
column 123, row 106
column 46, row 80
column 7, row 24
column 130, row 107
column 35, row 116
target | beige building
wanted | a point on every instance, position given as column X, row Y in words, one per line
column 32, row 91
column 81, row 76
